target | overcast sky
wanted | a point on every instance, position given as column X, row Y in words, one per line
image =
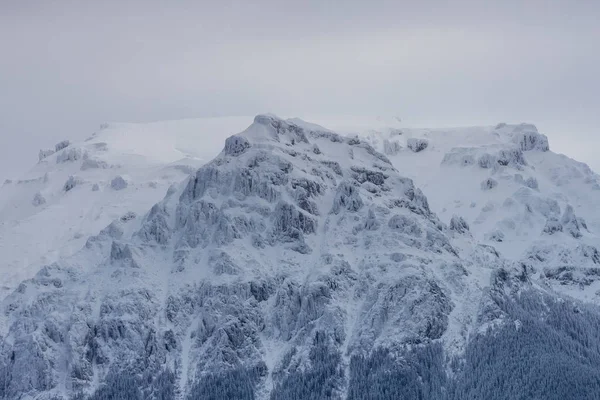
column 67, row 66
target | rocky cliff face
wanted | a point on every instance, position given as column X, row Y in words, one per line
column 297, row 264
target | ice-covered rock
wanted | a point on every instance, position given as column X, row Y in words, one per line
column 487, row 161
column 563, row 265
column 38, row 199
column 460, row 156
column 120, row 251
column 69, row 155
column 71, row 183
column 537, row 203
column 458, row 224
column 505, row 157
column 525, row 136
column 570, row 222
column 128, row 216
column 511, row 157
column 93, row 164
column 391, row 147
column 553, row 226
column 417, row 144
column 347, row 197
column 406, row 224
column 272, row 127
column 45, row 154
column 495, row 236
column 582, row 223
column 235, row 145
column 531, row 141
column 532, row 183
column 118, row 183
column 489, row 184
column 61, row 145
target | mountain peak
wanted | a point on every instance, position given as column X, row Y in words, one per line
column 268, row 127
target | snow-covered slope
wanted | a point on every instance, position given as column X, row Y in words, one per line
column 301, row 263
column 69, row 195
column 514, row 192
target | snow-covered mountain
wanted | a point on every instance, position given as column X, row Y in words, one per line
column 301, row 263
column 70, row 194
column 533, row 205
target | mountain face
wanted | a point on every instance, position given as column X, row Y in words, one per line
column 304, row 264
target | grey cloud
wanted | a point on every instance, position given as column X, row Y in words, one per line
column 69, row 65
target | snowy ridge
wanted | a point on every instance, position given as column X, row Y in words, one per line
column 514, row 192
column 301, row 263
column 41, row 221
